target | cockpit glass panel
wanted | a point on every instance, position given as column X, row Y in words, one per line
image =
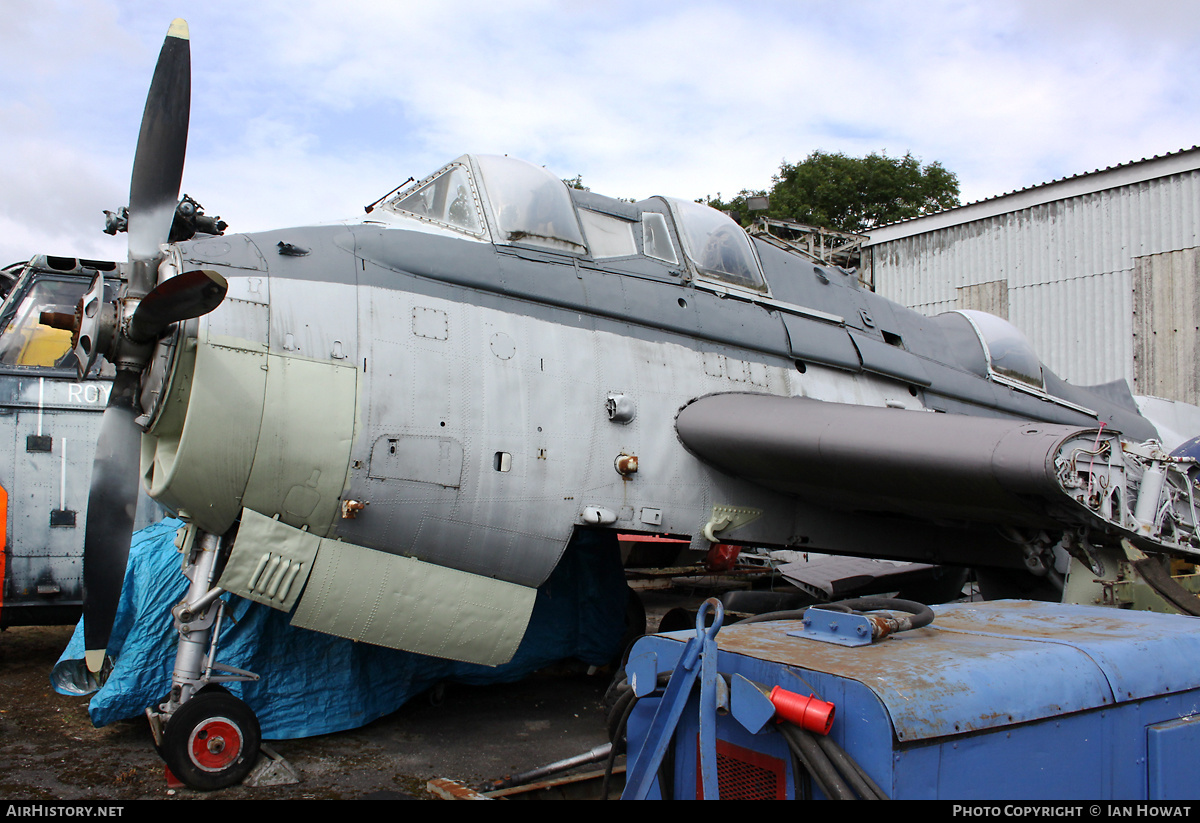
column 607, row 236
column 448, row 198
column 26, row 342
column 656, row 239
column 1010, row 354
column 531, row 205
column 718, row 247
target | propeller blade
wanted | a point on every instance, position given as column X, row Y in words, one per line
column 158, row 162
column 153, row 196
column 187, row 295
column 112, row 502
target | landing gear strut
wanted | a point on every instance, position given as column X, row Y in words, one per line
column 208, row 738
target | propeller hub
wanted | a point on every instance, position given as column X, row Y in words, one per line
column 95, row 327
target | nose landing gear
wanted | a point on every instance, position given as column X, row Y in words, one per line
column 208, row 738
column 211, row 741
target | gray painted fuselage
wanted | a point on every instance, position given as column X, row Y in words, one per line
column 464, row 388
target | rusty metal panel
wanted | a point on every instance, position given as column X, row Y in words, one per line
column 989, row 665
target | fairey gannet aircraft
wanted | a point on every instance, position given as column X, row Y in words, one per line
column 394, row 427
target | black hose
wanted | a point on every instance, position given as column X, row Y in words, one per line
column 848, row 766
column 794, row 614
column 922, row 615
column 823, row 772
column 618, row 715
column 801, row 778
column 627, row 702
column 836, row 773
column 618, row 720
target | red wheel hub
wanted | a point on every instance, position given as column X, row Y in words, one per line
column 215, row 744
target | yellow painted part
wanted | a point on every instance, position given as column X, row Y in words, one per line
column 44, row 347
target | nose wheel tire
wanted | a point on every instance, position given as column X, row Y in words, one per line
column 211, row 741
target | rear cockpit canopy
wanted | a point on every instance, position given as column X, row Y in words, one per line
column 717, row 246
column 1010, row 355
column 511, row 202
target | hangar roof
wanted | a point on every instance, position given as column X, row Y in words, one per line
column 1136, row 171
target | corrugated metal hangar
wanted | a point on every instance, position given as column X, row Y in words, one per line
column 1101, row 271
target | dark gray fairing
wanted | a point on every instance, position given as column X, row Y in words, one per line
column 884, row 460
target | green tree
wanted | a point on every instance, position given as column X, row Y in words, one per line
column 736, row 205
column 856, row 194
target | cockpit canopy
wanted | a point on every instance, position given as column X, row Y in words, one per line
column 498, row 198
column 510, row 202
column 716, row 245
column 530, row 204
column 1010, row 355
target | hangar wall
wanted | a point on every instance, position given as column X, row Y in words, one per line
column 1100, row 270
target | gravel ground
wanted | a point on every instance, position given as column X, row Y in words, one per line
column 51, row 751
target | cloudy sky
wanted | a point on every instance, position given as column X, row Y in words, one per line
column 305, row 111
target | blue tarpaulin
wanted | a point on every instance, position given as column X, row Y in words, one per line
column 312, row 683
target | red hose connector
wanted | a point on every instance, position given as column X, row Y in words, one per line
column 806, row 712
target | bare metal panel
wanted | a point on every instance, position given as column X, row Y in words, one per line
column 1166, row 297
column 991, row 297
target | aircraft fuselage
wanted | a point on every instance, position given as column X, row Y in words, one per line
column 453, row 399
